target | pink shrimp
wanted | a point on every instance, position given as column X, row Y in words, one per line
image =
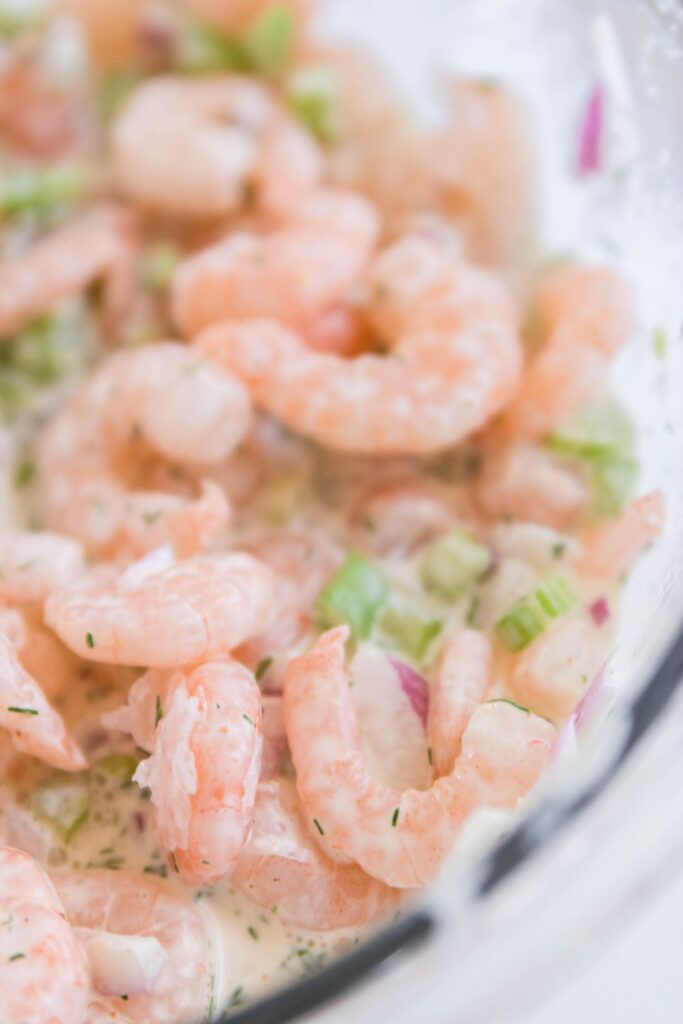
column 34, row 725
column 37, row 118
column 204, row 768
column 65, row 263
column 610, row 550
column 41, row 654
column 462, row 681
column 111, row 28
column 239, row 137
column 159, row 399
column 192, row 611
column 401, row 838
column 401, row 514
column 43, row 973
column 588, row 314
column 143, row 942
column 282, row 865
column 32, row 565
column 457, row 362
column 290, row 275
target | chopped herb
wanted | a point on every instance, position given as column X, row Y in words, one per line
column 156, row 869
column 512, row 703
column 174, row 862
column 159, row 712
column 236, row 998
column 254, row 934
column 430, row 756
column 17, row 956
column 318, row 826
column 23, row 711
column 248, row 719
column 471, row 617
column 150, row 518
column 262, row 667
column 394, row 818
column 89, row 641
column 559, row 550
column 24, row 473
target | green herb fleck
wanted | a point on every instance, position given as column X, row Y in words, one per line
column 24, row 473
column 262, row 667
column 394, row 818
column 319, row 826
column 430, row 756
column 248, row 719
column 174, row 862
column 17, row 956
column 252, row 931
column 236, row 998
column 159, row 712
column 89, row 641
column 559, row 550
column 512, row 703
column 23, row 711
column 659, row 343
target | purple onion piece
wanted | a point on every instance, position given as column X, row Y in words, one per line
column 591, row 135
column 415, row 688
column 599, row 611
column 597, row 697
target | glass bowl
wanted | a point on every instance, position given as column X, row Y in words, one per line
column 507, row 924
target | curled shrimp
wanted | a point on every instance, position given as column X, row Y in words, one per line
column 158, row 399
column 204, row 767
column 143, row 942
column 401, row 838
column 32, row 565
column 194, row 610
column 289, row 275
column 65, row 263
column 41, row 654
column 239, row 137
column 456, row 364
column 43, row 971
column 33, row 724
column 610, row 550
column 282, row 865
column 462, row 681
column 37, row 117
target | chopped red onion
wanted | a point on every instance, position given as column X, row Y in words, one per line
column 591, row 135
column 599, row 611
column 139, row 820
column 415, row 688
column 597, row 697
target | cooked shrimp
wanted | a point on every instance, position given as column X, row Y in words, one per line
column 32, row 565
column 233, row 15
column 63, row 264
column 43, row 974
column 491, row 199
column 204, row 768
column 610, row 550
column 339, row 330
column 525, row 482
column 238, row 136
column 273, row 735
column 588, row 314
column 34, row 725
column 401, row 514
column 194, row 610
column 160, row 396
column 143, row 942
column 456, row 365
column 37, row 118
column 462, row 681
column 111, row 27
column 401, row 838
column 41, row 654
column 282, row 865
column 290, row 275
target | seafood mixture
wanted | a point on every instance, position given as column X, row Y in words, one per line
column 316, row 503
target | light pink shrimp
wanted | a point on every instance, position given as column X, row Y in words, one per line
column 111, row 28
column 234, row 15
column 401, row 838
column 282, row 865
column 456, row 365
column 610, row 550
column 43, row 973
column 339, row 330
column 41, row 654
column 588, row 314
column 34, row 725
column 239, row 137
column 401, row 514
column 65, row 263
column 143, row 942
column 289, row 275
column 37, row 117
column 199, row 608
column 525, row 482
column 462, row 681
column 32, row 565
column 204, row 768
column 157, row 400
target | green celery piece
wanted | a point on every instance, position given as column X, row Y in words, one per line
column 204, row 50
column 268, row 41
column 595, row 431
column 159, row 265
column 412, row 634
column 533, row 613
column 452, row 564
column 41, row 191
column 353, row 596
column 63, row 802
column 117, row 768
column 314, row 100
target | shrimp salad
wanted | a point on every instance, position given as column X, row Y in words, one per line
column 316, row 502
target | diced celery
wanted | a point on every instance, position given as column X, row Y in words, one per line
column 41, row 191
column 203, row 50
column 158, row 266
column 453, row 563
column 16, row 392
column 532, row 614
column 410, row 633
column 268, row 41
column 64, row 802
column 115, row 88
column 354, row 596
column 116, row 768
column 612, row 481
column 314, row 100
column 596, row 431
column 39, row 354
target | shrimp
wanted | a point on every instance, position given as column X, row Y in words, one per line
column 462, row 681
column 37, row 117
column 456, row 364
column 234, row 15
column 401, row 838
column 339, row 330
column 194, row 610
column 282, row 865
column 588, row 314
column 111, row 27
column 41, row 654
column 64, row 263
column 159, row 398
column 142, row 941
column 239, row 138
column 204, row 768
column 34, row 725
column 43, row 972
column 402, row 514
column 490, row 198
column 289, row 275
column 609, row 551
column 32, row 565
column 523, row 481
